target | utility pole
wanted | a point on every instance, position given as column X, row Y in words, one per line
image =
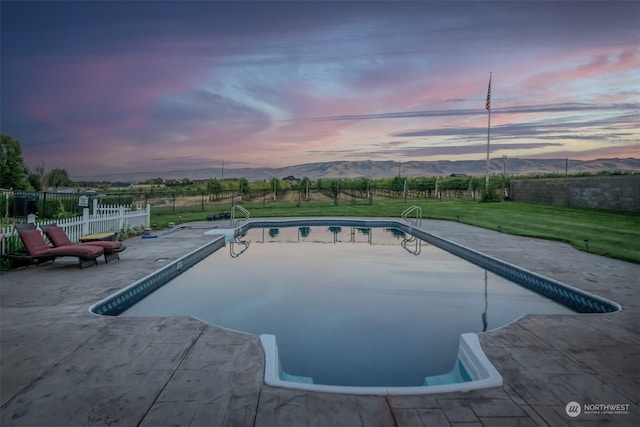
column 42, row 178
column 488, row 106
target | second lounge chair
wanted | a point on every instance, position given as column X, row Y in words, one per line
column 59, row 238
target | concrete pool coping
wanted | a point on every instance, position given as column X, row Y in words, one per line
column 62, row 365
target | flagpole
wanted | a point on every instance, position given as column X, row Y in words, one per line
column 488, row 145
column 486, row 188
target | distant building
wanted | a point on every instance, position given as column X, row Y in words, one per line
column 117, row 186
column 147, row 186
column 87, row 184
column 458, row 174
column 292, row 180
column 64, row 190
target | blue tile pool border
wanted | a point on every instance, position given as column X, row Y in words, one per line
column 118, row 302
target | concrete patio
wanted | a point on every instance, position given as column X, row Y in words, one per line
column 63, row 366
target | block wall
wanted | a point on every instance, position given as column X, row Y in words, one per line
column 617, row 192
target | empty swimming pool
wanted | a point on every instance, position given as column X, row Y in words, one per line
column 348, row 305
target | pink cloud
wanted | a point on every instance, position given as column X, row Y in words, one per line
column 107, row 91
column 123, row 108
column 563, row 70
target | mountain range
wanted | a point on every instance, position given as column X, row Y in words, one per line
column 388, row 169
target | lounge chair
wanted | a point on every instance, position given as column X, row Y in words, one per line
column 39, row 251
column 59, row 238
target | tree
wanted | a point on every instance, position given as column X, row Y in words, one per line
column 59, row 178
column 361, row 184
column 304, row 186
column 35, row 180
column 423, row 184
column 397, row 184
column 275, row 186
column 13, row 173
column 244, row 186
column 154, row 181
column 214, row 186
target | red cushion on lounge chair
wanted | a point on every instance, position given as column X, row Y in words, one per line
column 59, row 237
column 36, row 246
column 33, row 242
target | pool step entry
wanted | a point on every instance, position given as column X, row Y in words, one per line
column 472, row 371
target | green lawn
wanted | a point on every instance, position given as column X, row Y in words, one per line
column 609, row 233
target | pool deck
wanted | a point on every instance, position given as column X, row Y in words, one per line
column 63, row 366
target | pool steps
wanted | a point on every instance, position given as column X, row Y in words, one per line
column 472, row 370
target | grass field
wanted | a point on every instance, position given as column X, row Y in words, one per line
column 608, row 233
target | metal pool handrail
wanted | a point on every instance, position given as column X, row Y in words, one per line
column 234, row 222
column 418, row 210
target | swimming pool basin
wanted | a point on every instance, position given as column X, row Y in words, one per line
column 464, row 363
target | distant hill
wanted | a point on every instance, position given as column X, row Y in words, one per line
column 387, row 169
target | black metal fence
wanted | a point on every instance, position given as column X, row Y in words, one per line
column 20, row 204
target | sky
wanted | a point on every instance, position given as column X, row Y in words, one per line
column 113, row 87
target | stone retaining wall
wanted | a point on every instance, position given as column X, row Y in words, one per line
column 617, row 192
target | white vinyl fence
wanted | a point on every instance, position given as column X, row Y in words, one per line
column 104, row 218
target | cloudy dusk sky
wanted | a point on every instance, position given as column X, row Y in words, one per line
column 109, row 87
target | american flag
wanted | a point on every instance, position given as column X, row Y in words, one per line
column 489, row 94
